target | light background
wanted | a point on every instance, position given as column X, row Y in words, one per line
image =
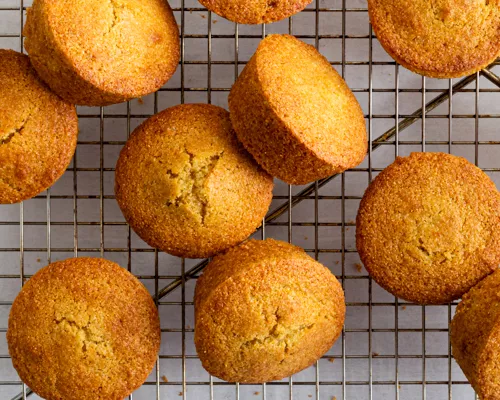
column 389, row 349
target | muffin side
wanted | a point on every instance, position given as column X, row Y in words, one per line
column 187, row 187
column 264, row 311
column 38, row 131
column 441, row 39
column 428, row 227
column 475, row 331
column 128, row 49
column 77, row 319
column 295, row 114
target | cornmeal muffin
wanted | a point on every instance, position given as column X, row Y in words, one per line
column 295, row 114
column 439, row 38
column 95, row 53
column 428, row 227
column 475, row 337
column 38, row 131
column 83, row 329
column 255, row 11
column 264, row 311
column 187, row 187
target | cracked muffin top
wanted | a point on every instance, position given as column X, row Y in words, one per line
column 95, row 52
column 83, row 329
column 38, row 131
column 187, row 187
column 438, row 38
column 428, row 227
column 255, row 11
column 264, row 311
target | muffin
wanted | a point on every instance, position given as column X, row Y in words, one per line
column 38, row 131
column 264, row 311
column 255, row 11
column 95, row 53
column 439, row 38
column 187, row 187
column 428, row 227
column 475, row 337
column 83, row 329
column 295, row 114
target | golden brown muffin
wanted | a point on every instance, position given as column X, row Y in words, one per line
column 475, row 337
column 83, row 329
column 295, row 114
column 255, row 11
column 264, row 311
column 439, row 38
column 428, row 227
column 38, row 131
column 187, row 187
column 95, row 53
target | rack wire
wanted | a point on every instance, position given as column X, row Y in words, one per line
column 389, row 349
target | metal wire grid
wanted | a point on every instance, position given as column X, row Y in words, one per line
column 173, row 289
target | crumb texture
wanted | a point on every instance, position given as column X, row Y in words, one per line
column 186, row 185
column 83, row 329
column 428, row 227
column 255, row 11
column 475, row 337
column 295, row 114
column 38, row 131
column 264, row 311
column 94, row 52
column 438, row 38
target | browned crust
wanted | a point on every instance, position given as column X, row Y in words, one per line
column 255, row 11
column 439, row 39
column 83, row 329
column 38, row 131
column 295, row 114
column 264, row 311
column 186, row 186
column 475, row 333
column 135, row 56
column 428, row 227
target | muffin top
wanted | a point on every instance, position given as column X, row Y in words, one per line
column 311, row 99
column 186, row 185
column 83, row 328
column 428, row 227
column 475, row 336
column 264, row 311
column 295, row 114
column 255, row 11
column 38, row 131
column 439, row 38
column 129, row 47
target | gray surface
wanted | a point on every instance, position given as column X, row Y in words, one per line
column 381, row 354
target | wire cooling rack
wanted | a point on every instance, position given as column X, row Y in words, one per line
column 389, row 349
